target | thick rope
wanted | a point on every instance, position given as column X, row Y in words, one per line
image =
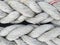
column 46, row 34
column 32, row 11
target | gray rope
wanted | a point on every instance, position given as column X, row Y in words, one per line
column 16, row 11
column 46, row 34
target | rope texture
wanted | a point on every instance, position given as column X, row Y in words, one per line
column 32, row 11
column 46, row 34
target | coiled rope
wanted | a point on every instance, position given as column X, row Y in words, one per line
column 32, row 11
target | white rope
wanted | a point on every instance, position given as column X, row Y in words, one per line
column 46, row 34
column 32, row 11
column 16, row 11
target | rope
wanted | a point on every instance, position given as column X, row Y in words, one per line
column 46, row 34
column 32, row 11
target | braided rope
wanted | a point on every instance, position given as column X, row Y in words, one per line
column 32, row 11
column 16, row 11
column 30, row 35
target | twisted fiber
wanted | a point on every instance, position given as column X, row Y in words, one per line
column 46, row 34
column 57, row 5
column 16, row 11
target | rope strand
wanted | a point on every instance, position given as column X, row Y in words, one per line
column 31, row 34
column 28, row 10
